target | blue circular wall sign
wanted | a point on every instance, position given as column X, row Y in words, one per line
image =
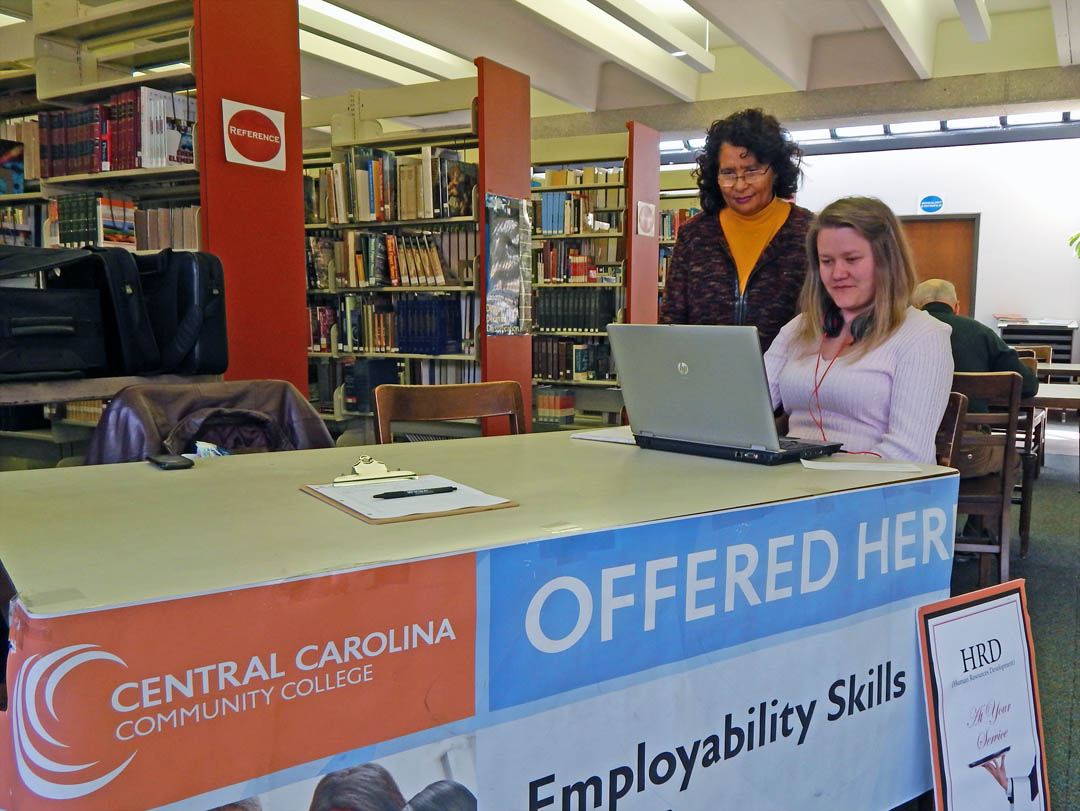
column 931, row 203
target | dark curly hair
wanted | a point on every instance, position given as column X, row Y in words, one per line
column 761, row 134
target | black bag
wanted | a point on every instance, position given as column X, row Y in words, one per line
column 49, row 334
column 130, row 344
column 185, row 298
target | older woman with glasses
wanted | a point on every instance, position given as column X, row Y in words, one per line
column 742, row 260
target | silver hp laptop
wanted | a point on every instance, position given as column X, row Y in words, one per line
column 702, row 390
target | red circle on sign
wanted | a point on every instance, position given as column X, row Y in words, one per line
column 254, row 135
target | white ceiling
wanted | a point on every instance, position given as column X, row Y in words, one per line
column 582, row 58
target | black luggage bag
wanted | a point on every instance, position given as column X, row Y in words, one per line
column 49, row 333
column 108, row 312
column 185, row 299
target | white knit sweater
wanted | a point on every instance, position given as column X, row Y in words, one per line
column 889, row 401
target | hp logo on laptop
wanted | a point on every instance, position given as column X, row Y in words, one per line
column 683, row 368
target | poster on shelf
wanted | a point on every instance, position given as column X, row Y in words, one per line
column 983, row 701
column 658, row 665
column 254, row 136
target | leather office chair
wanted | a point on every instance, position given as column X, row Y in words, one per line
column 947, row 440
column 449, row 402
column 990, row 496
column 1031, row 445
column 151, row 418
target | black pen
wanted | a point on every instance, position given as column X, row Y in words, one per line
column 429, row 491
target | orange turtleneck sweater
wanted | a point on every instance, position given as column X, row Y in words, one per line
column 748, row 236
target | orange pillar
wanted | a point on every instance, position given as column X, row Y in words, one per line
column 504, row 132
column 642, row 252
column 247, row 51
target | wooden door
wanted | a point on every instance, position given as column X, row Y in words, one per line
column 946, row 248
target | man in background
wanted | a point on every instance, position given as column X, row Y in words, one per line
column 975, row 348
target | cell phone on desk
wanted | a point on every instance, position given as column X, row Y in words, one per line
column 169, row 461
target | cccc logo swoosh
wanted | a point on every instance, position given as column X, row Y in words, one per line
column 35, row 687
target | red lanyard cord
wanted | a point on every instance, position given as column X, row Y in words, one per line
column 819, row 420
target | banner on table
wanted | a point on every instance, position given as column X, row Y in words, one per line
column 652, row 666
column 140, row 706
column 985, row 723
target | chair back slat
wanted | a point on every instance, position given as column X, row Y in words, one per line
column 990, row 495
column 448, row 402
column 947, row 441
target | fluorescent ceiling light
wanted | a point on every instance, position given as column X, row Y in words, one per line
column 678, row 53
column 810, row 135
column 672, row 146
column 7, row 19
column 678, row 192
column 1033, row 118
column 906, row 127
column 696, row 143
column 359, row 60
column 861, row 131
column 982, row 122
column 675, row 167
column 377, row 38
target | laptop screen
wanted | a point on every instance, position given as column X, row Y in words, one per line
column 703, row 384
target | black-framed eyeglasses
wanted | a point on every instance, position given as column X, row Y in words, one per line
column 728, row 177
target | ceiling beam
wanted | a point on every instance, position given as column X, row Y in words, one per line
column 767, row 33
column 367, row 35
column 1066, row 14
column 946, row 97
column 324, row 48
column 976, row 19
column 913, row 27
column 655, row 28
column 589, row 25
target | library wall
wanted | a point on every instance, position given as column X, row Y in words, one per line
column 1024, row 192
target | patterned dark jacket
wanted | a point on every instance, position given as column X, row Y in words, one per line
column 703, row 286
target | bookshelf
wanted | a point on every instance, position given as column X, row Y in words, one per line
column 594, row 262
column 82, row 52
column 387, row 275
column 679, row 201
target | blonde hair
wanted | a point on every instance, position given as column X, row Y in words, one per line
column 934, row 290
column 894, row 271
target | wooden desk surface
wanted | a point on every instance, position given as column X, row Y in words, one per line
column 76, row 539
column 1055, row 395
column 1063, row 369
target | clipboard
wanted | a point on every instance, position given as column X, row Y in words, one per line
column 337, row 502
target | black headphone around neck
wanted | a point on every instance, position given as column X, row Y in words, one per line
column 833, row 323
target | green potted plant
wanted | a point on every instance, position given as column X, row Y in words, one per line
column 1074, row 241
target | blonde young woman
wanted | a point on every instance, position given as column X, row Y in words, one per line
column 858, row 365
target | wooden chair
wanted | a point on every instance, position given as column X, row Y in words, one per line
column 452, row 402
column 947, row 440
column 990, row 496
column 1031, row 445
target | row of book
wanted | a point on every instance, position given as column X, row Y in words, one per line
column 18, row 225
column 672, row 219
column 584, row 176
column 579, row 360
column 554, row 406
column 578, row 260
column 594, row 211
column 665, row 261
column 412, row 324
column 356, row 379
column 23, row 131
column 361, row 259
column 112, row 221
column 577, row 309
column 139, row 128
column 376, row 185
